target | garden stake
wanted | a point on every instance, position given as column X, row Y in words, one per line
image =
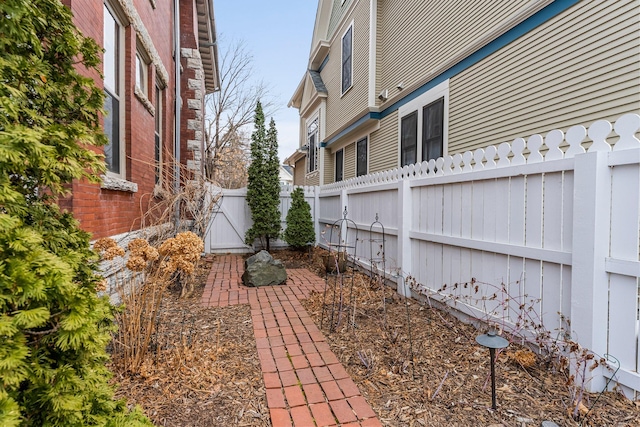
column 492, row 341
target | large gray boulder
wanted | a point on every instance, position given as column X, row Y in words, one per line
column 262, row 270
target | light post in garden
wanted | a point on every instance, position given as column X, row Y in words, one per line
column 492, row 341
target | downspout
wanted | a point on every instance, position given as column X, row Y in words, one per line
column 178, row 107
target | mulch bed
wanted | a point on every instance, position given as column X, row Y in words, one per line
column 214, row 378
column 204, row 370
column 448, row 384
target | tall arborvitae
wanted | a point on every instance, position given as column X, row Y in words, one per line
column 263, row 189
column 53, row 327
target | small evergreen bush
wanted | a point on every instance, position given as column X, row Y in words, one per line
column 299, row 230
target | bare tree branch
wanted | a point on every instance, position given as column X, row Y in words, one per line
column 229, row 111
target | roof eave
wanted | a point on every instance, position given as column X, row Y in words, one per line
column 207, row 44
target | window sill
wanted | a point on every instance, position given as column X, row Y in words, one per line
column 312, row 174
column 118, row 184
column 145, row 101
column 161, row 193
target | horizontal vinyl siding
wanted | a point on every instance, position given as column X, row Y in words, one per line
column 580, row 66
column 342, row 109
column 337, row 10
column 308, row 92
column 417, row 37
column 350, row 161
column 329, row 168
column 383, row 145
column 298, row 172
column 313, row 179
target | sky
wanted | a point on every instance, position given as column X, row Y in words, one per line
column 278, row 35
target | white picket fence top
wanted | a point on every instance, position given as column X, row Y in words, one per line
column 556, row 145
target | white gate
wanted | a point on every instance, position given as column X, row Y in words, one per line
column 232, row 218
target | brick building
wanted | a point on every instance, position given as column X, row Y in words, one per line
column 155, row 105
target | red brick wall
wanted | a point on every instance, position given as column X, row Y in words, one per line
column 108, row 212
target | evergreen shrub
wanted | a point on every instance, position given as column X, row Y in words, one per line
column 299, row 231
column 53, row 326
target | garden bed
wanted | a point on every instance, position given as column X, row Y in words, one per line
column 448, row 384
column 216, row 379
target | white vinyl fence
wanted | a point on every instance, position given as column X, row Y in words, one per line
column 558, row 225
column 232, row 218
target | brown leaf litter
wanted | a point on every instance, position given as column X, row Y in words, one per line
column 416, row 366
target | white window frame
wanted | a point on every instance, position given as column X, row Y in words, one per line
column 120, row 82
column 439, row 91
column 158, row 124
column 345, row 90
column 308, row 124
column 335, row 161
column 142, row 74
column 365, row 137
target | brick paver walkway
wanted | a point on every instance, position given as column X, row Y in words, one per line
column 306, row 384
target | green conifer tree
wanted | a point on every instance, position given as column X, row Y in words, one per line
column 53, row 327
column 299, row 230
column 263, row 188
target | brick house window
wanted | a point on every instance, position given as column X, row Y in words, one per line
column 347, row 59
column 361, row 156
column 158, row 135
column 141, row 74
column 113, row 39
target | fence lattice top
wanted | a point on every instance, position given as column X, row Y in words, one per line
column 602, row 136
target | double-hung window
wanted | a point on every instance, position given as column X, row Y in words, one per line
column 347, row 59
column 409, row 139
column 312, row 144
column 423, row 126
column 158, row 135
column 432, row 134
column 339, row 165
column 361, row 156
column 113, row 82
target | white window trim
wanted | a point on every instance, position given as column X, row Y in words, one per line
column 350, row 26
column 158, row 98
column 117, row 16
column 439, row 91
column 356, row 147
column 309, row 173
column 142, row 80
column 335, row 166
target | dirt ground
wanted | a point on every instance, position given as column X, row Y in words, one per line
column 205, row 372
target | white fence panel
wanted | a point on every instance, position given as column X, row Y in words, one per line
column 623, row 288
column 559, row 227
column 232, row 218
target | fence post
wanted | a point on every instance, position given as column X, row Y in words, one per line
column 344, row 206
column 405, row 210
column 316, row 211
column 589, row 289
